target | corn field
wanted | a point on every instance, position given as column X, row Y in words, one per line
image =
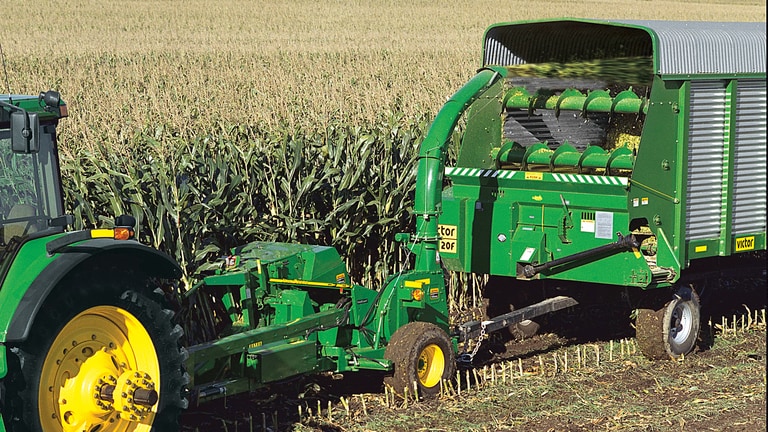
column 343, row 186
column 218, row 123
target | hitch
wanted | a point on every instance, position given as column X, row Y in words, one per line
column 473, row 329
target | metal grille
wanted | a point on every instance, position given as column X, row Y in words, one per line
column 528, row 129
column 706, row 160
column 749, row 189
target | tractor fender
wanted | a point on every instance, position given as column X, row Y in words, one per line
column 148, row 261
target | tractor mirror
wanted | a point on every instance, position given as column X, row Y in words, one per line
column 62, row 221
column 25, row 132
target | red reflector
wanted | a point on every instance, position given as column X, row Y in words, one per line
column 122, row 233
column 63, row 110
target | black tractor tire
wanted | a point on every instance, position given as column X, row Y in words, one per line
column 87, row 333
column 421, row 353
column 673, row 330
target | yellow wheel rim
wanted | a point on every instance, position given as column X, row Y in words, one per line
column 99, row 361
column 431, row 365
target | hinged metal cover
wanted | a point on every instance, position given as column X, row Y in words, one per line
column 677, row 47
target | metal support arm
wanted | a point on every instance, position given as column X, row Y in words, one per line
column 623, row 243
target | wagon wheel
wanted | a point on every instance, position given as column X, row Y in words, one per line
column 524, row 329
column 422, row 353
column 100, row 360
column 671, row 331
column 500, row 298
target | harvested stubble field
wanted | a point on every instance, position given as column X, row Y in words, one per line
column 549, row 385
column 221, row 122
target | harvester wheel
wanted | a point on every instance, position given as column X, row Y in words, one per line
column 672, row 331
column 423, row 354
column 100, row 358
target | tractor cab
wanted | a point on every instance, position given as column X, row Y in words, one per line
column 30, row 186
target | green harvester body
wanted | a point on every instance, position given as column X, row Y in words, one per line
column 619, row 134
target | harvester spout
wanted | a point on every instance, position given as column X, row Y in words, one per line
column 429, row 181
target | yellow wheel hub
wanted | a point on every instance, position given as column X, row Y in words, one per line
column 100, row 375
column 431, row 365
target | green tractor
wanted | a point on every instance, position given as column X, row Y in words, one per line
column 86, row 342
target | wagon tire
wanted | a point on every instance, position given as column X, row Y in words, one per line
column 499, row 298
column 524, row 329
column 672, row 331
column 422, row 353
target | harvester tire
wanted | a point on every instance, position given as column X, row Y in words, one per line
column 672, row 331
column 100, row 356
column 422, row 354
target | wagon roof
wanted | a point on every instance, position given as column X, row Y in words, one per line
column 677, row 47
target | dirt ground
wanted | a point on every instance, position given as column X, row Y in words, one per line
column 560, row 380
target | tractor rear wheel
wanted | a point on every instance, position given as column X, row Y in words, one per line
column 422, row 354
column 672, row 331
column 100, row 359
